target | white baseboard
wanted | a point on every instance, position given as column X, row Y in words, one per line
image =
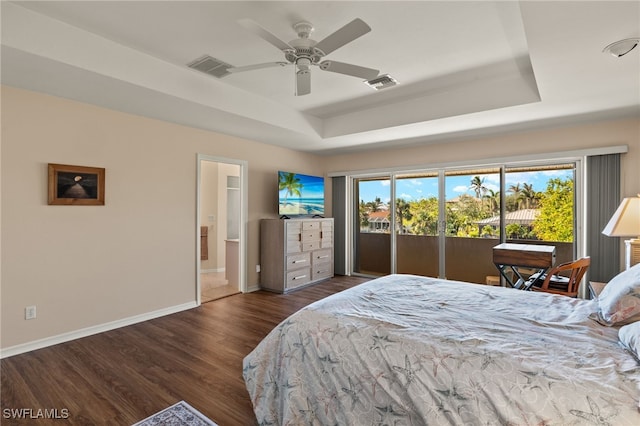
column 208, row 271
column 253, row 288
column 72, row 335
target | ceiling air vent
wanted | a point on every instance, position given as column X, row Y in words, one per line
column 381, row 82
column 211, row 66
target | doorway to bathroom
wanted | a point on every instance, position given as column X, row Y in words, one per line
column 221, row 227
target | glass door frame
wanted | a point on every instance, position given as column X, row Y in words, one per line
column 579, row 210
column 353, row 211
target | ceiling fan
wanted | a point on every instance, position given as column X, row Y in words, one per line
column 304, row 52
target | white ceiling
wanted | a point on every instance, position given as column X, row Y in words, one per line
column 464, row 68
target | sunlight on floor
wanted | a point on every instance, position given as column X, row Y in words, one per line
column 214, row 286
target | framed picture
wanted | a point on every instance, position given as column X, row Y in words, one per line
column 76, row 185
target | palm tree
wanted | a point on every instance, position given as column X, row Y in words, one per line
column 374, row 205
column 364, row 214
column 494, row 200
column 291, row 183
column 529, row 195
column 402, row 212
column 477, row 184
column 478, row 187
column 517, row 192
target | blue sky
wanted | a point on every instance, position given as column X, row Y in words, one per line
column 417, row 188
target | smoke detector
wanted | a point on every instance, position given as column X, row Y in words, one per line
column 621, row 47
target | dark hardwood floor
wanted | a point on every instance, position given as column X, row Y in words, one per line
column 122, row 376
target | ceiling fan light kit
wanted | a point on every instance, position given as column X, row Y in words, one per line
column 305, row 52
column 621, row 47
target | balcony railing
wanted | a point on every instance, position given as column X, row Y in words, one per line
column 467, row 259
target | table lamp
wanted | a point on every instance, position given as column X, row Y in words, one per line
column 625, row 222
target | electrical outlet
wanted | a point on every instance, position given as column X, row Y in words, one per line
column 257, row 268
column 30, row 312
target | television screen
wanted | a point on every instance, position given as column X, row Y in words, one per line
column 300, row 194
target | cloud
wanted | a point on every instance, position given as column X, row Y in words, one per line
column 515, row 178
column 562, row 173
column 495, row 178
column 461, row 188
column 493, row 187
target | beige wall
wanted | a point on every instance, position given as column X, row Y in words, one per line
column 83, row 266
column 87, row 266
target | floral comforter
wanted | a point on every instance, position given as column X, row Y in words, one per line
column 409, row 350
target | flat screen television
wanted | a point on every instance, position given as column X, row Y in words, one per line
column 300, row 195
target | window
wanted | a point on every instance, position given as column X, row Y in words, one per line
column 424, row 223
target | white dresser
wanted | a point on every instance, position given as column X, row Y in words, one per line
column 295, row 252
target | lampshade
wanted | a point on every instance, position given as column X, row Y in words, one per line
column 625, row 222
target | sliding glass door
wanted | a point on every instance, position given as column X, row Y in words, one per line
column 472, row 197
column 445, row 223
column 372, row 226
column 540, row 207
column 417, row 213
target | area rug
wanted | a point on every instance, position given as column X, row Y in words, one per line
column 179, row 414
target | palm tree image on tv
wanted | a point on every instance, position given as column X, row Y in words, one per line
column 300, row 194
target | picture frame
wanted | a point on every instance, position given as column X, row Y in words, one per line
column 76, row 185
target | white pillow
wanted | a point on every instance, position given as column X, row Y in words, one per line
column 620, row 299
column 629, row 335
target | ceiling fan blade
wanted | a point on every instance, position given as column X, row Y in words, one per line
column 348, row 69
column 252, row 26
column 257, row 66
column 344, row 35
column 303, row 82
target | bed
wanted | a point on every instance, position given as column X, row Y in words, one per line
column 410, row 350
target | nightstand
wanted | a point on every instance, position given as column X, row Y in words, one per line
column 595, row 288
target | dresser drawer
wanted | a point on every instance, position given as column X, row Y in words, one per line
column 298, row 277
column 322, row 271
column 321, row 256
column 298, row 261
column 310, row 235
column 310, row 225
column 310, row 245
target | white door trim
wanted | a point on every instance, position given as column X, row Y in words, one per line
column 244, row 173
